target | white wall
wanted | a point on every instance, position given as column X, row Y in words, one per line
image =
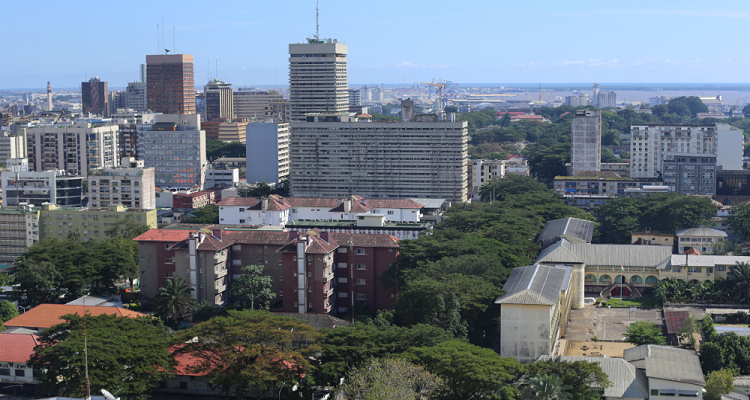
column 242, row 215
column 524, row 331
column 729, row 147
column 29, row 373
column 664, row 384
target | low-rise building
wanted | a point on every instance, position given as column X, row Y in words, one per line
column 702, row 239
column 652, row 238
column 15, row 351
column 19, row 229
column 364, row 224
column 91, row 223
column 45, row 315
column 598, row 183
column 671, row 372
column 193, row 200
column 698, row 268
column 222, row 177
column 628, row 382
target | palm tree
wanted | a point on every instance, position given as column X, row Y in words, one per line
column 174, row 301
column 739, row 277
column 546, row 387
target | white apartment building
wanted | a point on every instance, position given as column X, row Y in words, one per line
column 335, row 155
column 131, row 185
column 251, row 104
column 277, row 210
column 650, row 144
column 19, row 229
column 318, row 78
column 484, row 171
column 135, row 95
column 12, row 146
column 73, row 147
column 175, row 147
column 267, row 146
column 222, row 177
column 702, row 239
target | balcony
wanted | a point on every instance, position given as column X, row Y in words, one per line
column 221, row 288
column 220, row 273
column 220, row 257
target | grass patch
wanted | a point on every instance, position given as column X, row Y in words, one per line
column 642, row 302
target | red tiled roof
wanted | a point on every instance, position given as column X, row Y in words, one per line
column 186, row 360
column 256, row 237
column 694, row 251
column 239, row 201
column 196, row 194
column 318, row 245
column 16, row 347
column 212, row 243
column 163, row 235
column 393, row 203
column 47, row 315
column 312, row 202
column 365, row 240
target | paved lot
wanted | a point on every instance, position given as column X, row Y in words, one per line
column 607, row 323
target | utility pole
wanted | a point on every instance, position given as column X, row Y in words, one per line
column 351, row 272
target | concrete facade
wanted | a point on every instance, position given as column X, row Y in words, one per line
column 133, row 187
column 12, row 146
column 37, row 188
column 219, row 100
column 267, row 152
column 170, row 83
column 19, row 229
column 687, row 173
column 91, row 223
column 379, row 159
column 251, row 104
column 318, row 78
column 586, row 141
column 650, row 143
column 176, row 148
column 73, row 148
column 729, row 147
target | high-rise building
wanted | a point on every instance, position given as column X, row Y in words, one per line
column 117, row 101
column 234, row 131
column 20, row 231
column 131, row 185
column 251, row 104
column 91, row 223
column 355, row 97
column 176, row 147
column 37, row 188
column 49, row 96
column 12, row 145
column 170, row 85
column 578, row 100
column 335, row 155
column 318, row 80
column 94, row 99
column 75, row 148
column 690, row 173
column 595, row 94
column 606, row 100
column 136, row 96
column 268, row 151
column 586, row 141
column 219, row 100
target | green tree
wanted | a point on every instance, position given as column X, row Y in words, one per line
column 174, row 302
column 618, row 218
column 746, row 111
column 8, row 310
column 511, row 185
column 580, row 376
column 127, row 228
column 125, row 354
column 688, row 329
column 546, row 387
column 254, row 286
column 353, row 345
column 469, row 372
column 36, row 280
column 249, row 349
column 217, row 149
column 644, row 332
column 739, row 277
column 205, row 310
column 711, row 356
column 206, row 215
column 718, row 383
column 389, row 379
column 609, row 157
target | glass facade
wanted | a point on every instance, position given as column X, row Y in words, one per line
column 733, row 183
column 175, row 156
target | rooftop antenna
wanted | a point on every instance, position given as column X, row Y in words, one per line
column 162, row 31
column 317, row 26
column 174, row 50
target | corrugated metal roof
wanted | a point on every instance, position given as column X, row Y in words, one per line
column 701, row 232
column 430, row 203
column 675, row 320
column 572, row 227
column 607, row 254
column 668, row 363
column 534, row 284
column 679, row 260
column 627, row 380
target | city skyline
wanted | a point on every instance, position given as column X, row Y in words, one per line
column 397, row 43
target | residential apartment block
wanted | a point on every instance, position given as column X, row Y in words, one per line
column 687, row 173
column 335, row 155
column 175, row 147
column 37, row 188
column 318, row 78
column 268, row 152
column 74, row 148
column 310, row 272
column 91, row 223
column 170, row 84
column 586, row 141
column 19, row 229
column 12, row 145
column 131, row 185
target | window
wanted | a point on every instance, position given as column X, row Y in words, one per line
column 20, row 372
column 343, row 294
column 390, row 212
column 242, row 221
column 361, row 282
column 360, row 266
column 4, row 371
column 676, row 269
column 721, row 267
column 242, row 209
column 390, row 250
column 361, row 296
column 360, row 251
column 183, row 385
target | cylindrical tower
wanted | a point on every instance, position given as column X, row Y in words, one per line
column 577, row 281
column 49, row 96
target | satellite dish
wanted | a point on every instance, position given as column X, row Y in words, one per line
column 108, row 395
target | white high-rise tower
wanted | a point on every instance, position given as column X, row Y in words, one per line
column 49, row 96
column 318, row 77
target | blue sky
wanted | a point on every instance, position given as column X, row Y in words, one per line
column 389, row 41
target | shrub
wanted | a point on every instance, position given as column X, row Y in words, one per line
column 594, row 339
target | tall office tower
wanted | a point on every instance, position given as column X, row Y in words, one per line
column 595, row 94
column 251, row 104
column 606, row 100
column 354, row 97
column 219, row 100
column 136, row 96
column 268, row 151
column 170, row 86
column 94, row 97
column 176, row 147
column 318, row 80
column 49, row 96
column 650, row 144
column 117, row 101
column 424, row 158
column 74, row 149
column 586, row 141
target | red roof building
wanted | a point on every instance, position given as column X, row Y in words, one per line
column 47, row 315
column 193, row 200
column 15, row 351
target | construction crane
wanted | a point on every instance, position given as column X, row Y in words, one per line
column 440, row 85
column 549, row 99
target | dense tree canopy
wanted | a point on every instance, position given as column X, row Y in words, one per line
column 206, row 215
column 644, row 332
column 217, row 149
column 125, row 354
column 580, row 376
column 390, row 379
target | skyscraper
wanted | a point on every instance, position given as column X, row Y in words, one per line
column 170, row 85
column 318, row 80
column 219, row 100
column 94, row 97
column 586, row 141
